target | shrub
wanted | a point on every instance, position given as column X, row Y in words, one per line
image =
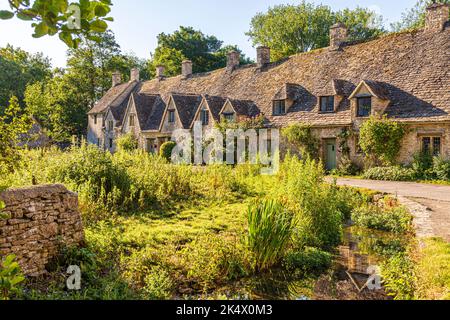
column 10, row 277
column 422, row 165
column 347, row 167
column 166, row 150
column 158, row 284
column 396, row 173
column 396, row 219
column 301, row 136
column 441, row 168
column 270, row 228
column 127, row 143
column 309, row 261
column 380, row 139
column 399, row 277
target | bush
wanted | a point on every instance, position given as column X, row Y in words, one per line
column 10, row 277
column 441, row 168
column 310, row 261
column 396, row 219
column 423, row 165
column 396, row 173
column 158, row 284
column 399, row 277
column 166, row 150
column 127, row 143
column 270, row 228
column 302, row 137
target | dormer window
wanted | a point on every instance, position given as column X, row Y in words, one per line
column 229, row 117
column 171, row 116
column 364, row 106
column 110, row 126
column 279, row 107
column 95, row 119
column 204, row 117
column 132, row 120
column 327, row 104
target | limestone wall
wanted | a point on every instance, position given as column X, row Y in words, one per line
column 41, row 219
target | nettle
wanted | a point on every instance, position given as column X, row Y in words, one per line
column 380, row 139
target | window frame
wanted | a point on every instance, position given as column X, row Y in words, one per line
column 110, row 125
column 358, row 106
column 278, row 107
column 132, row 120
column 226, row 116
column 171, row 116
column 328, row 104
column 204, row 117
column 432, row 144
column 95, row 119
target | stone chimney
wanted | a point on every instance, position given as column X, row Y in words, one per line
column 186, row 68
column 134, row 75
column 262, row 56
column 116, row 78
column 338, row 35
column 233, row 60
column 160, row 72
column 436, row 17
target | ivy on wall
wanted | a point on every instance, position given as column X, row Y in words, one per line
column 302, row 137
column 380, row 140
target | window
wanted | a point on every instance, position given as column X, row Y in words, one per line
column 110, row 125
column 151, row 145
column 98, row 142
column 229, row 117
column 327, row 104
column 432, row 145
column 132, row 120
column 364, row 106
column 110, row 143
column 279, row 107
column 95, row 119
column 204, row 117
column 171, row 116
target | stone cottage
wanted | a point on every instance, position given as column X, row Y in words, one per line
column 405, row 76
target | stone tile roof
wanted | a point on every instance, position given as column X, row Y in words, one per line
column 115, row 97
column 150, row 109
column 245, row 108
column 215, row 105
column 411, row 69
column 187, row 106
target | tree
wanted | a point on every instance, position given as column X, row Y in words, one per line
column 292, row 29
column 206, row 52
column 414, row 18
column 13, row 125
column 20, row 68
column 70, row 21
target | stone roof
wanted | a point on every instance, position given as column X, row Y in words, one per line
column 150, row 109
column 187, row 106
column 215, row 105
column 117, row 97
column 245, row 108
column 410, row 69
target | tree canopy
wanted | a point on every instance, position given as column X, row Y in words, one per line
column 206, row 52
column 70, row 21
column 292, row 29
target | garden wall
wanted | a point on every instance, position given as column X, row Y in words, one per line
column 38, row 221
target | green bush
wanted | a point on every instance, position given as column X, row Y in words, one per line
column 127, row 143
column 166, row 150
column 399, row 277
column 158, row 284
column 423, row 165
column 395, row 219
column 310, row 261
column 10, row 277
column 270, row 228
column 441, row 168
column 302, row 137
column 396, row 173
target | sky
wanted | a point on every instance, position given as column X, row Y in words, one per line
column 138, row 22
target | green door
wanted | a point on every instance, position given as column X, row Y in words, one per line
column 331, row 155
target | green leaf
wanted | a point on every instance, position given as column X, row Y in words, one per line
column 5, row 15
column 66, row 37
column 99, row 26
column 40, row 30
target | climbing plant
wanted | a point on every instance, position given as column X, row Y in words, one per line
column 302, row 137
column 380, row 139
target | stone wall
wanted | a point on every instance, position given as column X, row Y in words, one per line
column 41, row 219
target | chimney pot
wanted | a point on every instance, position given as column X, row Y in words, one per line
column 134, row 74
column 186, row 68
column 233, row 60
column 338, row 35
column 262, row 56
column 436, row 17
column 116, row 78
column 160, row 72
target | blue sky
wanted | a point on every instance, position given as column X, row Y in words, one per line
column 138, row 22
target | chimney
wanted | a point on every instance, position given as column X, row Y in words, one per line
column 134, row 75
column 233, row 60
column 116, row 78
column 160, row 72
column 262, row 56
column 436, row 17
column 186, row 68
column 338, row 35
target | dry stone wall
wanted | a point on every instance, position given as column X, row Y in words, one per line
column 39, row 221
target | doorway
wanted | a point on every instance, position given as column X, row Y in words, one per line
column 330, row 154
